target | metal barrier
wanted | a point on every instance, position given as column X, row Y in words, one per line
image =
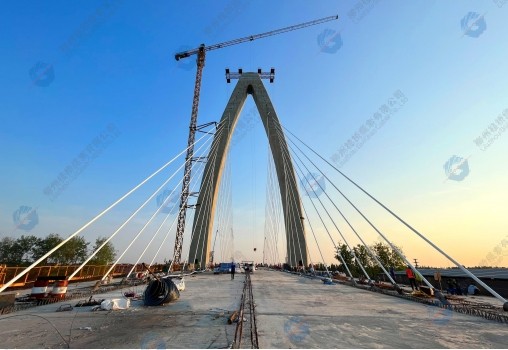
column 88, row 272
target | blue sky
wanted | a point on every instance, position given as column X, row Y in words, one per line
column 113, row 64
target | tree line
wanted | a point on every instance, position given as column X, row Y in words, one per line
column 25, row 250
column 385, row 254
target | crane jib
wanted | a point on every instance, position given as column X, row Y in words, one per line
column 188, row 53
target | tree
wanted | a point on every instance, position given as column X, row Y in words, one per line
column 73, row 251
column 6, row 251
column 347, row 255
column 397, row 262
column 384, row 253
column 45, row 245
column 106, row 255
column 19, row 251
column 363, row 257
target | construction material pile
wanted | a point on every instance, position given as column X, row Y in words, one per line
column 161, row 291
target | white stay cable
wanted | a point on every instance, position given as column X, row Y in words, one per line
column 212, row 149
column 160, row 226
column 466, row 271
column 126, row 221
column 18, row 276
column 371, row 253
column 274, row 210
column 327, row 212
column 395, row 249
column 213, row 146
column 148, row 222
column 220, row 215
column 295, row 197
column 225, row 209
column 322, row 221
column 206, row 213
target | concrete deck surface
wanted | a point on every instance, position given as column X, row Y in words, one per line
column 292, row 312
column 297, row 312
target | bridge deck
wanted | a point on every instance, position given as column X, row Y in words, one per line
column 292, row 312
column 298, row 312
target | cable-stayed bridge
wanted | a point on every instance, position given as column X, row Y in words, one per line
column 293, row 228
column 288, row 230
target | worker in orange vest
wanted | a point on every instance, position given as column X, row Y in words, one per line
column 411, row 276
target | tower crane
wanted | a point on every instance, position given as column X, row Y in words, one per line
column 201, row 52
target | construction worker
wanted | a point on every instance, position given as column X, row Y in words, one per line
column 419, row 280
column 411, row 276
column 392, row 273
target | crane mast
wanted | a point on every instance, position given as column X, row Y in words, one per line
column 184, row 197
column 201, row 52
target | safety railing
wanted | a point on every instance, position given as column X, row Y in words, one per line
column 88, row 272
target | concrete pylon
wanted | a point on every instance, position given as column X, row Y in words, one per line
column 249, row 84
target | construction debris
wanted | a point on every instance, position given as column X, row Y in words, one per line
column 181, row 285
column 115, row 304
column 233, row 317
column 64, row 307
column 89, row 302
column 159, row 292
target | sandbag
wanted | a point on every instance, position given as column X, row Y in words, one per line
column 115, row 304
column 181, row 284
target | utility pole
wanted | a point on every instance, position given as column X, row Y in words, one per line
column 416, row 263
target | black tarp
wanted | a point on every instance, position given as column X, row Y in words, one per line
column 160, row 292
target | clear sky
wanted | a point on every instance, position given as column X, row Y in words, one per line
column 70, row 70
